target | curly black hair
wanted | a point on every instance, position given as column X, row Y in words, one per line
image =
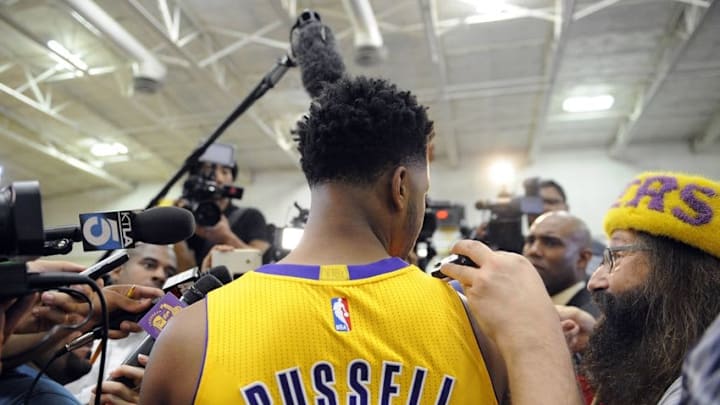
column 360, row 127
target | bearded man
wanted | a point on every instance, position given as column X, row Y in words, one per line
column 657, row 288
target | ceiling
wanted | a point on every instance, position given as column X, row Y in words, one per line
column 495, row 80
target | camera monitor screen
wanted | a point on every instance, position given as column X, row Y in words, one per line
column 219, row 153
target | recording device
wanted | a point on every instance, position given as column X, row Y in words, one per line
column 314, row 49
column 237, row 261
column 17, row 281
column 504, row 230
column 123, row 229
column 455, row 259
column 286, row 238
column 201, row 191
column 438, row 214
column 205, row 284
column 105, row 266
column 21, row 223
column 219, row 272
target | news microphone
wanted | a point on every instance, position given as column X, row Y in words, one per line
column 315, row 51
column 123, row 229
column 204, row 285
column 17, row 281
column 220, row 272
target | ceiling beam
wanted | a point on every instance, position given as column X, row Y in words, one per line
column 69, row 160
column 709, row 136
column 428, row 11
column 206, row 76
column 553, row 59
column 669, row 58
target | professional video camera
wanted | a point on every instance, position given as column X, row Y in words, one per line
column 504, row 230
column 438, row 214
column 21, row 222
column 201, row 191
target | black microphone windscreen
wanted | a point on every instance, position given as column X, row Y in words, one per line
column 164, row 225
column 315, row 51
column 222, row 273
column 205, row 284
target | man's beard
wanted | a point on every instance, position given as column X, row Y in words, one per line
column 623, row 362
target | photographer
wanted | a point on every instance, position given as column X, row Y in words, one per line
column 207, row 192
column 504, row 229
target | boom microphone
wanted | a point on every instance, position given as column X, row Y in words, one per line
column 204, row 285
column 315, row 51
column 123, row 229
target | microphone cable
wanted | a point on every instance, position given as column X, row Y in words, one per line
column 67, row 279
column 57, row 328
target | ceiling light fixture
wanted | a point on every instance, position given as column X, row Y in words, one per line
column 108, row 149
column 75, row 60
column 588, row 103
column 502, row 172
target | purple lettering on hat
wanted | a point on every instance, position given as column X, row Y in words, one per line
column 667, row 183
column 704, row 212
column 625, row 190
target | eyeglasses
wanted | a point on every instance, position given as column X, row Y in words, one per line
column 610, row 254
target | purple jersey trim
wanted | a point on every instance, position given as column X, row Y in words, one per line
column 202, row 365
column 356, row 271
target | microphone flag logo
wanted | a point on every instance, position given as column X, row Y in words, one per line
column 341, row 314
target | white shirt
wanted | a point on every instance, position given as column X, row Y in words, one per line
column 117, row 351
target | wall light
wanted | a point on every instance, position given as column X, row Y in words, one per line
column 588, row 103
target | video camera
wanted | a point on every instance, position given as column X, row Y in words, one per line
column 504, row 230
column 438, row 214
column 201, row 191
column 21, row 222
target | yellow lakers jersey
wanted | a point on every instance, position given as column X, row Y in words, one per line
column 380, row 333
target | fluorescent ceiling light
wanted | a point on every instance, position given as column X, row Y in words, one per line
column 489, row 6
column 588, row 103
column 61, row 50
column 108, row 149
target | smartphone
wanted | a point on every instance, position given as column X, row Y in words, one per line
column 238, row 261
column 105, row 266
column 456, row 259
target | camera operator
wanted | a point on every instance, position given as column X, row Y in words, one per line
column 504, row 230
column 239, row 227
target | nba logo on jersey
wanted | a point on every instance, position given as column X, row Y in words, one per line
column 341, row 314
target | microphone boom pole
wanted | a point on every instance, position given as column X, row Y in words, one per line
column 266, row 83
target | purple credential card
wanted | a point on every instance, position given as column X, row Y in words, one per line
column 159, row 315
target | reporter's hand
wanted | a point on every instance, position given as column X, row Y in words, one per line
column 207, row 260
column 12, row 311
column 220, row 233
column 577, row 326
column 64, row 309
column 114, row 392
column 45, row 266
column 506, row 294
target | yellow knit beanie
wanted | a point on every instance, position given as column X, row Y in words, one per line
column 680, row 206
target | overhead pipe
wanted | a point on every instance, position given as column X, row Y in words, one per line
column 369, row 49
column 149, row 73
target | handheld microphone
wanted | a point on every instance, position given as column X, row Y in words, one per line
column 219, row 272
column 315, row 51
column 16, row 281
column 204, row 285
column 123, row 229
